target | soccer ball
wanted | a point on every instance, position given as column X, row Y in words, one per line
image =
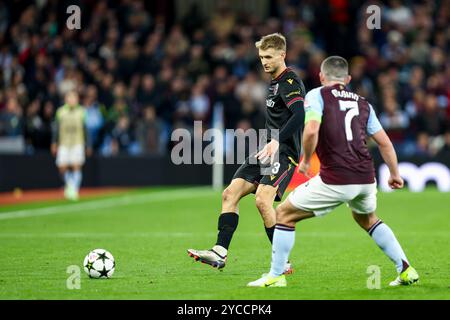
column 99, row 263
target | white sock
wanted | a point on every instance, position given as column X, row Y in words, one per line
column 68, row 178
column 386, row 240
column 77, row 176
column 220, row 250
column 283, row 241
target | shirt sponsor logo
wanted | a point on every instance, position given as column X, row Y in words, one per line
column 270, row 103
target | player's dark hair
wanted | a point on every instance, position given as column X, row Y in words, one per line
column 275, row 40
column 334, row 68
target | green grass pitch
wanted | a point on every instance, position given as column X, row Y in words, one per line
column 148, row 232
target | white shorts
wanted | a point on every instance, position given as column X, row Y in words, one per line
column 69, row 156
column 321, row 198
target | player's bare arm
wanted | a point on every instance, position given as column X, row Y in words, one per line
column 390, row 158
column 310, row 139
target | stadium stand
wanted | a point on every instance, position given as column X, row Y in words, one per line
column 144, row 69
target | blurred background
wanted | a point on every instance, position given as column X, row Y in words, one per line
column 145, row 68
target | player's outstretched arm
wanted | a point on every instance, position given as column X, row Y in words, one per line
column 390, row 158
column 310, row 139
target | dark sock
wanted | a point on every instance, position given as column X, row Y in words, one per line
column 270, row 232
column 228, row 222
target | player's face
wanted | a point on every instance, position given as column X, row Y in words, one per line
column 271, row 59
column 72, row 99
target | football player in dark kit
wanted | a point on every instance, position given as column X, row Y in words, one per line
column 285, row 113
column 337, row 123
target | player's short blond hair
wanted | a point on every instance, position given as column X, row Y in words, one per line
column 275, row 40
column 72, row 92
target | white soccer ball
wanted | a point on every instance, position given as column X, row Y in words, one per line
column 99, row 263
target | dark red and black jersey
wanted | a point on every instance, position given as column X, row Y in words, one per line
column 286, row 92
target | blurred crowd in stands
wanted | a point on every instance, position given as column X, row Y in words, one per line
column 142, row 73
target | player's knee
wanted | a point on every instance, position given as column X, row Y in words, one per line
column 281, row 214
column 229, row 196
column 365, row 221
column 262, row 203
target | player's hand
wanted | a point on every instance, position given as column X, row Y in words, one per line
column 268, row 151
column 304, row 167
column 54, row 149
column 395, row 182
column 88, row 152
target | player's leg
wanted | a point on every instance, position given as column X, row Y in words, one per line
column 284, row 235
column 77, row 177
column 229, row 217
column 77, row 159
column 227, row 224
column 265, row 196
column 66, row 176
column 385, row 239
column 62, row 162
column 272, row 188
column 363, row 210
column 310, row 199
column 283, row 241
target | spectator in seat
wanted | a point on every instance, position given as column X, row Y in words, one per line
column 11, row 119
column 148, row 132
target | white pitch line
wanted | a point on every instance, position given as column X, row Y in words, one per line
column 79, row 235
column 109, row 203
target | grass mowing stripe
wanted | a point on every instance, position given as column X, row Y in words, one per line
column 109, row 203
column 188, row 234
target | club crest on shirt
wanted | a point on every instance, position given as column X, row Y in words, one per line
column 290, row 81
column 270, row 103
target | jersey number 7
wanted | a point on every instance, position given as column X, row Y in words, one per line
column 351, row 107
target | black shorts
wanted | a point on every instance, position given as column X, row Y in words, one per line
column 281, row 177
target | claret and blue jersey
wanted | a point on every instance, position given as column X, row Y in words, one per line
column 346, row 120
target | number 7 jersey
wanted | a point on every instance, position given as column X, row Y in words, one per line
column 346, row 119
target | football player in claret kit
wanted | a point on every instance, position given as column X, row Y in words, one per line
column 337, row 122
column 285, row 113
